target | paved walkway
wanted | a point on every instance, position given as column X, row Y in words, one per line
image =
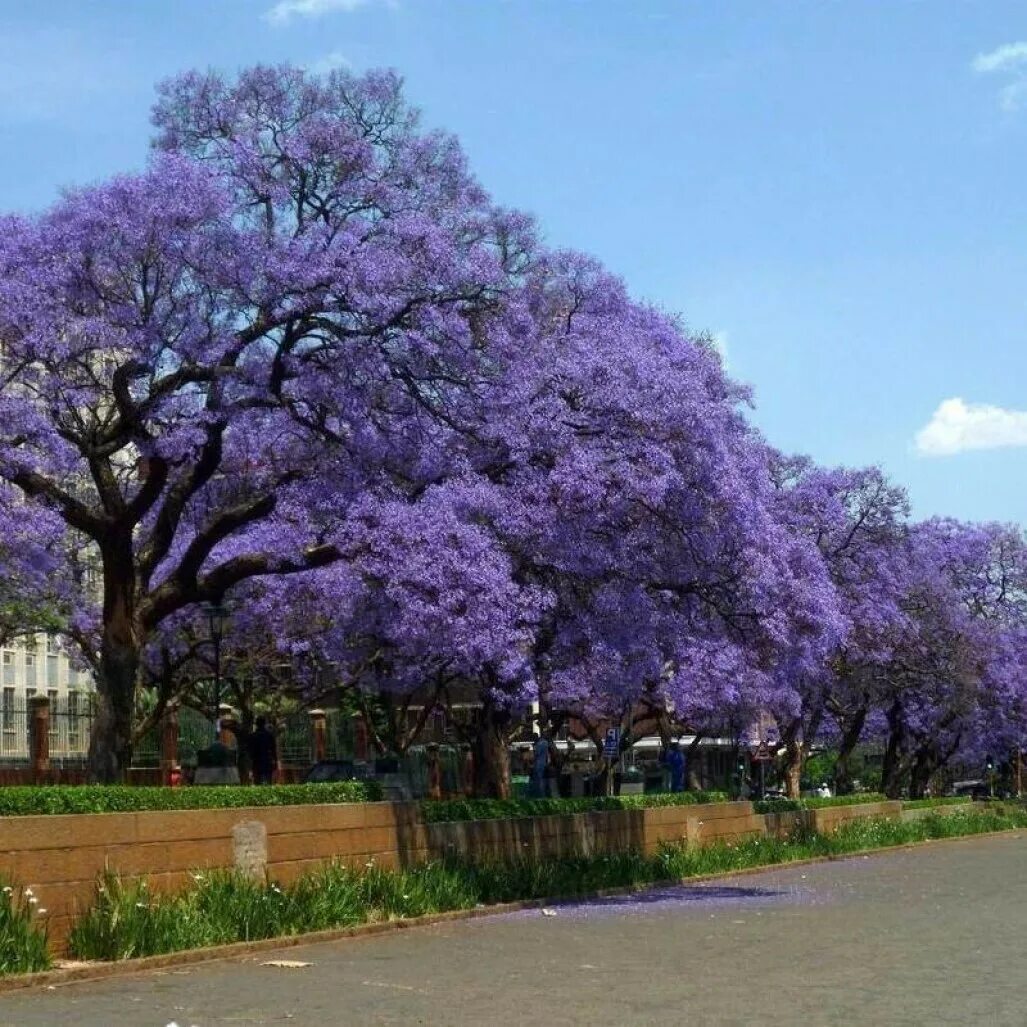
column 934, row 935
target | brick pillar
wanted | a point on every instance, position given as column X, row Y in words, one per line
column 39, row 737
column 168, row 743
column 227, row 725
column 360, row 738
column 318, row 735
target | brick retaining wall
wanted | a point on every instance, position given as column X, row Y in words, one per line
column 59, row 857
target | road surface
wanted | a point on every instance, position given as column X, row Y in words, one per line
column 934, row 935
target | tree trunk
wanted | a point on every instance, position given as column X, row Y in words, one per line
column 692, row 764
column 492, row 753
column 891, row 776
column 920, row 775
column 110, row 745
column 794, row 758
column 851, row 732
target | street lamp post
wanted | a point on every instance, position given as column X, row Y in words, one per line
column 216, row 617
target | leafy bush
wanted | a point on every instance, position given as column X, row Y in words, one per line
column 22, row 936
column 844, row 800
column 506, row 809
column 26, row 801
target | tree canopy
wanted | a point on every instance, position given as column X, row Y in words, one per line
column 302, row 362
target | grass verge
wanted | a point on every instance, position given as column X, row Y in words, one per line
column 127, row 921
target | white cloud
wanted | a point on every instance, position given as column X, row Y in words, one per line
column 1010, row 61
column 956, row 427
column 328, row 63
column 1003, row 58
column 285, row 10
column 1010, row 97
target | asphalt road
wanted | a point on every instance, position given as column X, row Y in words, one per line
column 934, row 935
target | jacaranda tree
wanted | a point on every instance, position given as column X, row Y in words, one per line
column 207, row 363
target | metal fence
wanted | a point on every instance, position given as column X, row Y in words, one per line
column 72, row 716
column 71, row 720
column 296, row 740
column 195, row 732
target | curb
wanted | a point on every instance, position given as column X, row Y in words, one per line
column 101, row 971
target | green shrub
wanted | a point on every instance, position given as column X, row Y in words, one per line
column 506, row 809
column 22, row 933
column 787, row 805
column 942, row 800
column 30, row 800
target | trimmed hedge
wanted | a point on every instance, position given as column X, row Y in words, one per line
column 790, row 805
column 942, row 800
column 31, row 801
column 438, row 811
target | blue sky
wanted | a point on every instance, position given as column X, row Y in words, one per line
column 836, row 190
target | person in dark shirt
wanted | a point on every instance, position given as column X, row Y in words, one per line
column 263, row 753
column 676, row 764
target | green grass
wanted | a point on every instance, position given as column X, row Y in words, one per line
column 22, row 932
column 128, row 921
column 31, row 800
column 506, row 809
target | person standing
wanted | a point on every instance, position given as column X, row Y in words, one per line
column 540, row 765
column 468, row 770
column 434, row 773
column 263, row 753
column 676, row 764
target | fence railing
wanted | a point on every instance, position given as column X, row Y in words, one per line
column 72, row 717
column 71, row 722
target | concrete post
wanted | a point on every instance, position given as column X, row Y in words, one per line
column 318, row 735
column 168, row 743
column 39, row 737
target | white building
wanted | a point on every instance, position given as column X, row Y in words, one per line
column 37, row 665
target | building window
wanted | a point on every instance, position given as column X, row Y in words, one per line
column 7, row 720
column 55, row 723
column 52, row 672
column 74, row 711
column 30, row 674
column 9, row 668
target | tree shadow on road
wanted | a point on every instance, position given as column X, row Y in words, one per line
column 673, row 894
